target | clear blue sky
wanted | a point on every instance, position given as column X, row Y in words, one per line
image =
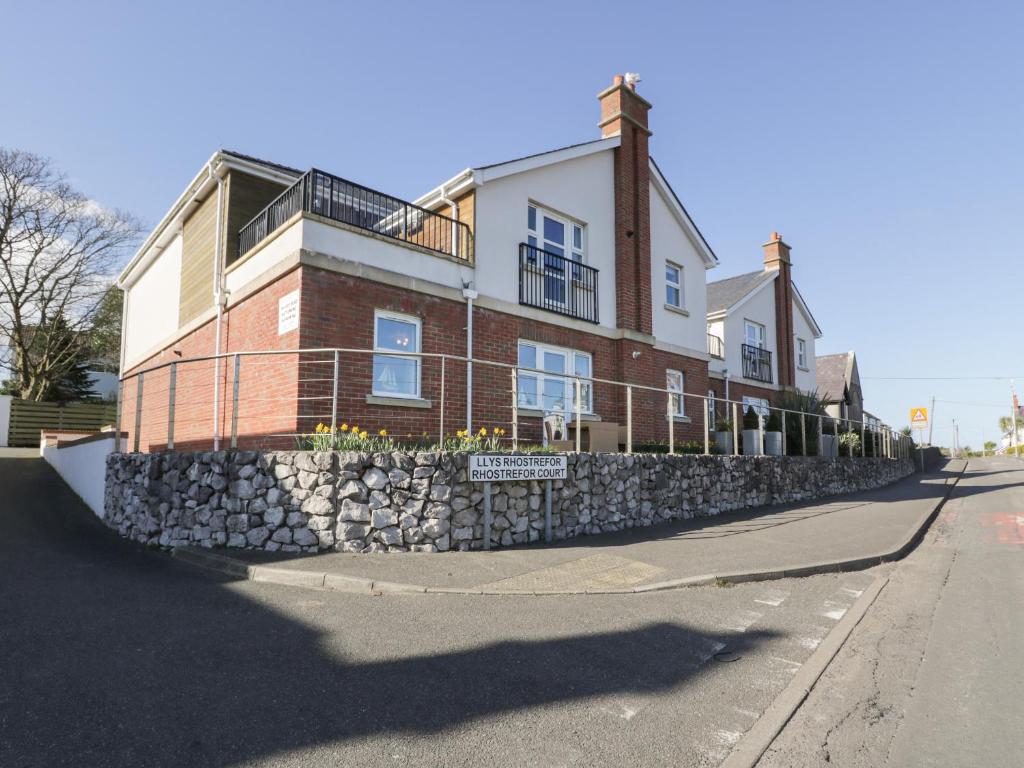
column 883, row 140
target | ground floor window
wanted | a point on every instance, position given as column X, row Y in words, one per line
column 396, row 376
column 760, row 405
column 550, row 387
column 674, row 381
column 711, row 409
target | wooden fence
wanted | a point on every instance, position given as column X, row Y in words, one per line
column 29, row 417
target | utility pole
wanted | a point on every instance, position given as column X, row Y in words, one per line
column 931, row 422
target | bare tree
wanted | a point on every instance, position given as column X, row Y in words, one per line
column 58, row 253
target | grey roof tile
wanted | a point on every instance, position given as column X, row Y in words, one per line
column 723, row 294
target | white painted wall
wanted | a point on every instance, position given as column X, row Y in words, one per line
column 281, row 247
column 580, row 189
column 806, row 379
column 384, row 254
column 760, row 308
column 669, row 242
column 83, row 467
column 153, row 303
column 5, row 418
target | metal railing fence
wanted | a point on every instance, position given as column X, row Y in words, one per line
column 341, row 200
column 286, row 394
column 556, row 283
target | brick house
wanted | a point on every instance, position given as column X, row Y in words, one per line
column 577, row 261
column 761, row 334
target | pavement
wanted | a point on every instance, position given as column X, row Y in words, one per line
column 932, row 675
column 115, row 655
column 852, row 531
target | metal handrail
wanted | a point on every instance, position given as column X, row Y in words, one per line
column 558, row 284
column 757, row 363
column 338, row 199
column 716, row 347
column 884, row 434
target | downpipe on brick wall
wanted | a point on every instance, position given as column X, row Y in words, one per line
column 218, row 299
column 469, row 293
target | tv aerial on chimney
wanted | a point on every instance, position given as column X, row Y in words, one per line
column 632, row 78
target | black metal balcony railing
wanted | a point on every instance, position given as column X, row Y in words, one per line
column 757, row 363
column 339, row 200
column 557, row 284
column 716, row 347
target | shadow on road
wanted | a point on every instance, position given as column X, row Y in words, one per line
column 113, row 655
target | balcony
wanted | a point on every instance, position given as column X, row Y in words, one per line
column 335, row 198
column 757, row 363
column 550, row 281
column 716, row 347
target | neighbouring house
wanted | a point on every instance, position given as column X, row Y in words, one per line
column 839, row 386
column 577, row 261
column 760, row 333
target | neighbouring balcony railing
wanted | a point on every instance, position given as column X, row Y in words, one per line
column 757, row 363
column 339, row 200
column 716, row 347
column 553, row 282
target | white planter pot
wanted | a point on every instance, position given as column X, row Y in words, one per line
column 723, row 440
column 751, row 442
column 828, row 447
column 773, row 443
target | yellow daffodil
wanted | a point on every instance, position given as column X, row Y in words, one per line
column 483, row 431
column 383, row 433
column 363, row 435
column 355, row 430
column 344, row 427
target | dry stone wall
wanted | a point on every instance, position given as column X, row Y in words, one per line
column 421, row 502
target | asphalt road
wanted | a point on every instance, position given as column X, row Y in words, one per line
column 117, row 656
column 932, row 676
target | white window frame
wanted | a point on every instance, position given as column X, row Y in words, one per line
column 570, row 250
column 567, row 379
column 762, row 342
column 711, row 405
column 761, row 405
column 417, row 323
column 678, row 285
column 801, row 354
column 680, row 402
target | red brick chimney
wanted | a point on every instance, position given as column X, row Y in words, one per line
column 624, row 114
column 776, row 257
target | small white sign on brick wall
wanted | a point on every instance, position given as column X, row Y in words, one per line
column 288, row 313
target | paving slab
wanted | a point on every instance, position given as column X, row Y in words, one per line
column 783, row 539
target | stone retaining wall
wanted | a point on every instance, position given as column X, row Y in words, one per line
column 309, row 501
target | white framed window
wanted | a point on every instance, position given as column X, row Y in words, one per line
column 673, row 285
column 753, row 334
column 396, row 376
column 801, row 353
column 550, row 387
column 711, row 409
column 674, row 382
column 563, row 241
column 760, row 405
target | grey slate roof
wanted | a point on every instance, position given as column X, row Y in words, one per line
column 831, row 376
column 722, row 294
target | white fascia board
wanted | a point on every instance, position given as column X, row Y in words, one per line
column 490, row 173
column 198, row 188
column 719, row 315
column 456, row 185
column 669, row 196
column 802, row 305
column 744, row 298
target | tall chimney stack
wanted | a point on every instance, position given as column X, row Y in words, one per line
column 776, row 257
column 624, row 114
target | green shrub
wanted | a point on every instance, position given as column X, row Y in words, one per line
column 750, row 420
column 774, row 423
column 723, row 425
column 808, row 403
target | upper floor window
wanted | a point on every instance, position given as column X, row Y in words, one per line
column 753, row 334
column 551, row 386
column 554, row 234
column 673, row 285
column 674, row 382
column 396, row 376
column 801, row 353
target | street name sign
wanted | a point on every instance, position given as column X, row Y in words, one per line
column 918, row 418
column 486, row 468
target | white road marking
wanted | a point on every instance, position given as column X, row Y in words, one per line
column 787, row 661
column 729, row 737
column 773, row 598
column 810, row 642
column 747, row 713
column 852, row 592
column 622, row 711
column 739, row 622
column 834, row 610
column 715, row 647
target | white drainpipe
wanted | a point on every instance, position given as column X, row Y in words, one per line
column 469, row 294
column 218, row 298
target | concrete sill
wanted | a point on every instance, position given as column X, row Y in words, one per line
column 398, row 402
column 534, row 413
column 677, row 310
column 681, row 419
